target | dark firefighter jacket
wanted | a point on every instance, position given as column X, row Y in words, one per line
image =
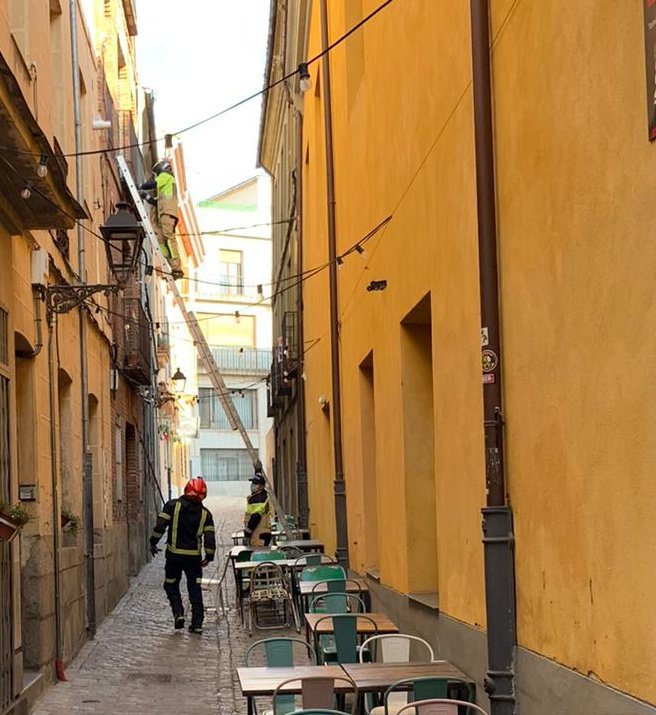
column 189, row 524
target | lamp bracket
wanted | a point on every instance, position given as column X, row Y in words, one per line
column 63, row 298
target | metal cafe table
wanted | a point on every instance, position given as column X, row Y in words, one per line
column 377, row 677
column 255, row 681
column 238, row 536
column 314, row 629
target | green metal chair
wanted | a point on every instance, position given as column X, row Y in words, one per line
column 316, row 692
column 242, row 582
column 319, row 711
column 337, row 602
column 345, row 633
column 397, row 695
column 442, row 706
column 268, row 556
column 322, row 572
column 279, row 653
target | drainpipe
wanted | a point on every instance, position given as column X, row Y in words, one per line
column 56, row 517
column 87, row 510
column 38, row 322
column 498, row 538
column 341, row 524
column 301, row 453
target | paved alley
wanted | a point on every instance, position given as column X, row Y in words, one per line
column 138, row 663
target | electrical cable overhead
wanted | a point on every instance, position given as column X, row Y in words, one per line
column 226, row 110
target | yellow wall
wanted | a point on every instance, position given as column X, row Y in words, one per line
column 576, row 223
column 428, row 248
column 577, row 260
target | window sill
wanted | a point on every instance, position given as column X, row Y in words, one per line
column 426, row 600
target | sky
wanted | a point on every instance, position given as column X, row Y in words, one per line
column 200, row 56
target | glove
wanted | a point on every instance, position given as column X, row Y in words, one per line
column 143, row 194
column 204, row 562
column 154, row 550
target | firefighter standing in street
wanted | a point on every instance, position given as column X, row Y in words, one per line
column 189, row 524
column 166, row 201
column 257, row 522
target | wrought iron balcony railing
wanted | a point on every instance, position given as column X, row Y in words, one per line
column 240, row 361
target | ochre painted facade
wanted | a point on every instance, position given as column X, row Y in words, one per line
column 576, row 263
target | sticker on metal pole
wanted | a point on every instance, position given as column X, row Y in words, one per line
column 485, row 337
column 489, row 360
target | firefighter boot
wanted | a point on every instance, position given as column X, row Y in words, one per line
column 179, row 621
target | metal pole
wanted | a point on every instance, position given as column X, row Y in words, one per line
column 56, row 514
column 498, row 537
column 84, row 382
column 341, row 524
column 301, row 452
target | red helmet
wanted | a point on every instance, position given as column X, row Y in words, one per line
column 196, row 489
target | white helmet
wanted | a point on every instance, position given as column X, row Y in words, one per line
column 162, row 165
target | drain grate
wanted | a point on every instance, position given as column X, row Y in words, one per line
column 150, row 677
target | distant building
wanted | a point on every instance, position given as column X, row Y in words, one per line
column 230, row 297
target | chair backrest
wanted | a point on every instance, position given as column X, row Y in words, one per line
column 316, row 693
column 428, row 688
column 314, row 559
column 279, row 652
column 345, row 630
column 244, row 555
column 268, row 556
column 442, row 706
column 322, row 573
column 395, row 648
column 291, row 552
column 267, row 575
column 337, row 603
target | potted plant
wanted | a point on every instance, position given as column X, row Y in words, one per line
column 12, row 518
column 70, row 522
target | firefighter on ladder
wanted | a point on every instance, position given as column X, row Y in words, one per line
column 189, row 524
column 257, row 521
column 166, row 200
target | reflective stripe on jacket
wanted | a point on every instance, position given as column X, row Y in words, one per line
column 190, row 525
column 256, row 517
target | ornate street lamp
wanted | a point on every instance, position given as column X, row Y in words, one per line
column 179, row 380
column 123, row 237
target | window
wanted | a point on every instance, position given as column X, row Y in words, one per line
column 221, row 330
column 18, row 25
column 230, row 272
column 212, row 414
column 226, row 465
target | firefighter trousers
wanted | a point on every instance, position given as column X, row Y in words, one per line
column 191, row 567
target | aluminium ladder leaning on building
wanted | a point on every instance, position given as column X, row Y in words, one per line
column 204, row 352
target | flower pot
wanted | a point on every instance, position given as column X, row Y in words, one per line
column 8, row 528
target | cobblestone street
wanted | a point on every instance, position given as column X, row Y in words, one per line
column 138, row 663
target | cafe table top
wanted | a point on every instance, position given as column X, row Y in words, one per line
column 353, row 585
column 370, row 677
column 236, row 550
column 302, row 544
column 263, row 681
column 383, row 623
column 248, row 565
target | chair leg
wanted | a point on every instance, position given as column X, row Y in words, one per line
column 296, row 618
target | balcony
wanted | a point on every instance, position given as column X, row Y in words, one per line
column 163, row 345
column 135, row 360
column 240, row 361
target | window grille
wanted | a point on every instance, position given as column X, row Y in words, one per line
column 226, row 465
